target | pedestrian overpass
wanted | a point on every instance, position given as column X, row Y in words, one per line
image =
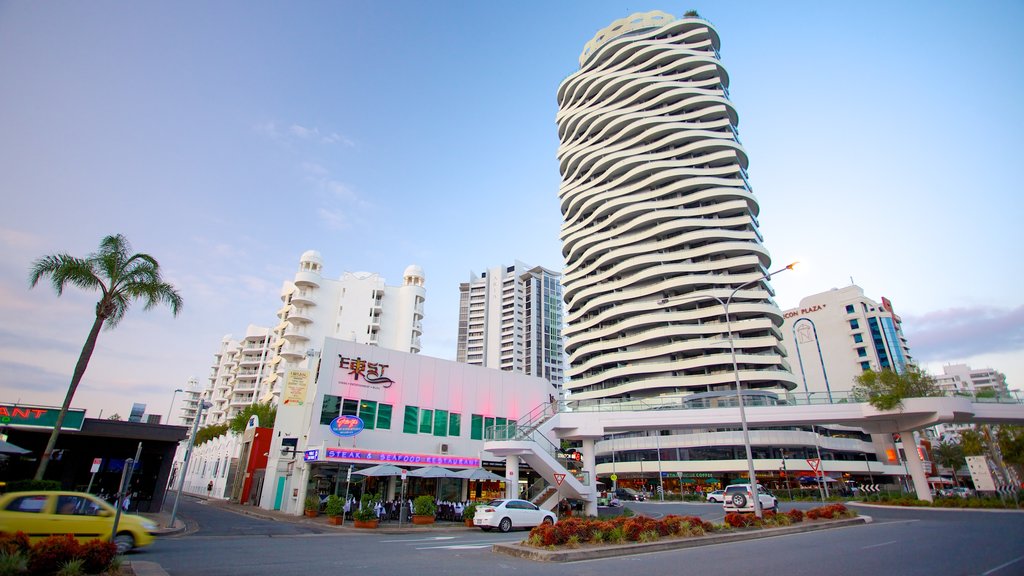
column 534, row 439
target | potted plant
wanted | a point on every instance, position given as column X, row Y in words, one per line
column 365, row 517
column 312, row 505
column 468, row 512
column 335, row 510
column 423, row 510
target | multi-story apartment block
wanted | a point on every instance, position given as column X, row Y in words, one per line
column 834, row 336
column 237, row 373
column 510, row 318
column 193, row 395
column 659, row 218
column 358, row 307
column 961, row 378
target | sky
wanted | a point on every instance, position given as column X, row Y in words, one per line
column 225, row 139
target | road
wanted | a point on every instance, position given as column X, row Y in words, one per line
column 904, row 542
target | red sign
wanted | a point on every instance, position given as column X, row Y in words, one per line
column 814, row 463
column 559, row 478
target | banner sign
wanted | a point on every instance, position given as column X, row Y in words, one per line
column 295, row 384
column 39, row 417
column 347, row 425
column 379, row 457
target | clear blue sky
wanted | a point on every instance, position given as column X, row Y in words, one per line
column 227, row 138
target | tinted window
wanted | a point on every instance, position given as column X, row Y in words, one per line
column 27, row 504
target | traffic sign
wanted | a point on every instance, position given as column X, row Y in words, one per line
column 814, row 463
column 96, row 463
column 615, row 477
column 559, row 478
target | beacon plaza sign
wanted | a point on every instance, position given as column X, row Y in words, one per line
column 39, row 417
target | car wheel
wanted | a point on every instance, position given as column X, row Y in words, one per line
column 505, row 525
column 739, row 500
column 547, row 521
column 124, row 542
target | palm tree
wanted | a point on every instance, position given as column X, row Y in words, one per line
column 951, row 456
column 121, row 278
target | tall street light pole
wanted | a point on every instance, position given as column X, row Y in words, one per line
column 736, row 372
column 203, row 404
column 170, row 409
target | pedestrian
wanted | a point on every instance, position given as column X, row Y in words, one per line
column 209, row 489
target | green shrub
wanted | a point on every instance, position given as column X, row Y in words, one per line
column 72, row 568
column 13, row 563
column 366, row 511
column 335, row 505
column 424, row 506
column 648, row 536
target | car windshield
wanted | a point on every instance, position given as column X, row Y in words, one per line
column 495, row 503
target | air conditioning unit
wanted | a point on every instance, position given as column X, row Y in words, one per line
column 442, row 448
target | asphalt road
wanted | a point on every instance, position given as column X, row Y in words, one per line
column 903, row 542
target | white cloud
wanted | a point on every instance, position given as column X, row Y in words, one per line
column 333, row 218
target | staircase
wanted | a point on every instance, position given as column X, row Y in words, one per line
column 527, row 438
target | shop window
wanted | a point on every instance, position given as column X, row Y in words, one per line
column 426, row 421
column 368, row 413
column 384, row 416
column 454, row 424
column 410, row 423
column 350, row 407
column 476, row 427
column 440, row 422
column 331, row 409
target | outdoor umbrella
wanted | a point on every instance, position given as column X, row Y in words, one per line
column 8, row 448
column 381, row 470
column 478, row 474
column 432, row 472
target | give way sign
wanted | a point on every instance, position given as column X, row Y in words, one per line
column 559, row 478
column 814, row 463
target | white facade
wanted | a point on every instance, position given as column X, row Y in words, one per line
column 236, row 376
column 358, row 307
column 656, row 205
column 510, row 318
column 190, row 403
column 834, row 336
column 418, row 411
column 961, row 378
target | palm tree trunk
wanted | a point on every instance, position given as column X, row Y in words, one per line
column 76, row 378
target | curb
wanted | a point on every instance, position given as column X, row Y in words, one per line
column 938, row 509
column 539, row 555
column 147, row 568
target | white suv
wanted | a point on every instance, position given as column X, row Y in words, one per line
column 738, row 499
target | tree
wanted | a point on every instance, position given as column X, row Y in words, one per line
column 886, row 390
column 1011, row 444
column 972, row 443
column 207, row 433
column 951, row 456
column 121, row 278
column 266, row 413
column 114, row 416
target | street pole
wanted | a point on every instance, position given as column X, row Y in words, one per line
column 819, row 474
column 170, row 409
column 661, row 475
column 126, row 479
column 203, row 404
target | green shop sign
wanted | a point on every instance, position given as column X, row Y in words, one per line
column 696, row 474
column 39, row 417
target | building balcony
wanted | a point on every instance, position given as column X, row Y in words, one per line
column 304, row 297
column 299, row 315
column 307, row 280
column 293, row 353
column 295, row 334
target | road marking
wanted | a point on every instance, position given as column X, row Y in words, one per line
column 882, row 544
column 457, row 547
column 1001, row 566
column 431, row 539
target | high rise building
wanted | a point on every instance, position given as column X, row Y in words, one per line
column 510, row 318
column 239, row 368
column 657, row 206
column 961, row 378
column 834, row 336
column 358, row 307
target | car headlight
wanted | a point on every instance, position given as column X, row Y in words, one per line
column 150, row 526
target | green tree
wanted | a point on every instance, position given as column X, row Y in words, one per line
column 886, row 390
column 1011, row 444
column 951, row 456
column 207, row 433
column 972, row 443
column 121, row 278
column 266, row 413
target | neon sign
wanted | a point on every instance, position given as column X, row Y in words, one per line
column 311, row 455
column 371, row 372
column 378, row 457
column 347, row 425
column 39, row 417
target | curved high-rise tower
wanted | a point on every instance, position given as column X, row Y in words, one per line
column 656, row 206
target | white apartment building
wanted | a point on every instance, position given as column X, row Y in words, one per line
column 659, row 219
column 359, row 307
column 510, row 318
column 240, row 368
column 834, row 336
column 193, row 393
column 961, row 378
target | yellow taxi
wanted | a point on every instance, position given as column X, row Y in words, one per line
column 84, row 516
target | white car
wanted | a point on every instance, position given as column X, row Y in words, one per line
column 716, row 496
column 739, row 499
column 508, row 514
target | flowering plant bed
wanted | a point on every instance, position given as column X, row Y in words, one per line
column 577, row 532
column 946, row 502
column 57, row 554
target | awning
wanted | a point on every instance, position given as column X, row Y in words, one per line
column 8, row 448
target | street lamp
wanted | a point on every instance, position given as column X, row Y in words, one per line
column 170, row 409
column 867, row 463
column 203, row 404
column 736, row 372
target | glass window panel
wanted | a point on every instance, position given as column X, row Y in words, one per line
column 426, row 421
column 410, row 423
column 454, row 424
column 368, row 412
column 331, row 409
column 350, row 408
column 440, row 422
column 476, row 427
column 384, row 416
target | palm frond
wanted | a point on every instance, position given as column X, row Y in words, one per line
column 63, row 269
